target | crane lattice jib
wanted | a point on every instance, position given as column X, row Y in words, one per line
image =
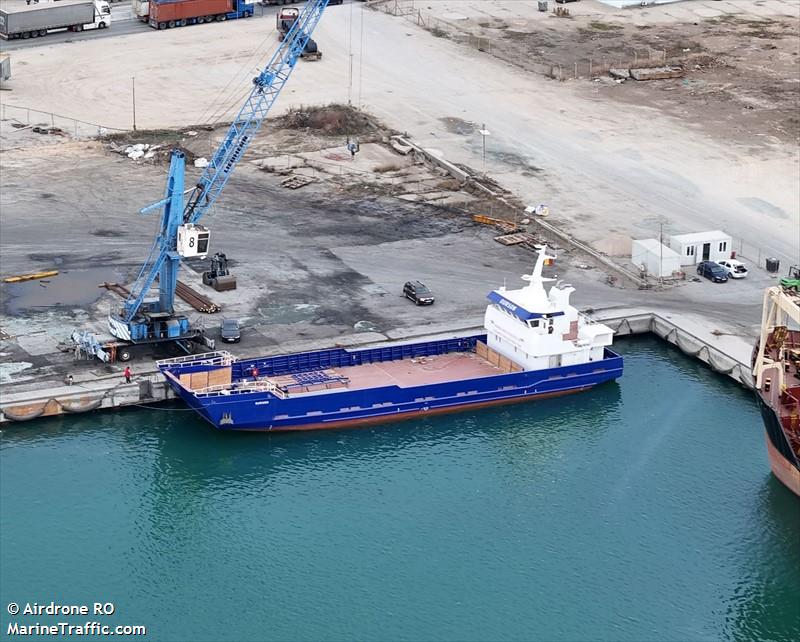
column 266, row 87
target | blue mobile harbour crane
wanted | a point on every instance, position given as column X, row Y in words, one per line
column 145, row 320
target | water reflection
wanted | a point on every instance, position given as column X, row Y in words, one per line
column 765, row 603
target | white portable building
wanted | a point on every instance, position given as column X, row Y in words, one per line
column 655, row 258
column 702, row 246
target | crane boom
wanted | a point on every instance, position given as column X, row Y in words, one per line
column 143, row 320
column 266, row 87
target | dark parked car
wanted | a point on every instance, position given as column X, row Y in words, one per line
column 713, row 271
column 418, row 293
column 229, row 331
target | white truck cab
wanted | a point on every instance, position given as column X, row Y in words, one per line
column 102, row 16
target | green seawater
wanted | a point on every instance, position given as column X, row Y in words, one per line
column 643, row 510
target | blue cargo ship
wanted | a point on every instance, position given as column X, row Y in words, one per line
column 535, row 345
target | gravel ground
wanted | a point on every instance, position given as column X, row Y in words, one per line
column 605, row 167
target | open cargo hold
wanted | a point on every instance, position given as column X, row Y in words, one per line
column 18, row 19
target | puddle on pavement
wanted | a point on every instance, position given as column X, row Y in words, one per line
column 763, row 207
column 286, row 314
column 516, row 160
column 458, row 126
column 366, row 326
column 68, row 289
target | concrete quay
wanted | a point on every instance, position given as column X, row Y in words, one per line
column 725, row 354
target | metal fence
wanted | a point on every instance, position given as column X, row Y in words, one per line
column 53, row 123
column 758, row 255
column 591, row 67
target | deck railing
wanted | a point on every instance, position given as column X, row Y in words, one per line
column 216, row 358
column 240, row 387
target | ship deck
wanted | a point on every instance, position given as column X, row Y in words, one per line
column 405, row 373
column 784, row 350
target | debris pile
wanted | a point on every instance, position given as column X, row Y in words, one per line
column 56, row 131
column 331, row 119
column 298, row 180
column 657, row 73
column 137, row 151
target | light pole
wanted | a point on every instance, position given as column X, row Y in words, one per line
column 484, row 133
column 133, row 101
column 661, row 253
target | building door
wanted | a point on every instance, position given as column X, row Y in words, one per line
column 706, row 251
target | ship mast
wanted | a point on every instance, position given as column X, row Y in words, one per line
column 535, row 278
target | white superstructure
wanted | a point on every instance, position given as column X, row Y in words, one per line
column 537, row 330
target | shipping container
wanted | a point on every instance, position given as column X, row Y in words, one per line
column 165, row 15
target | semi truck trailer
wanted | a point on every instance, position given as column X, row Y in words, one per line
column 19, row 20
column 266, row 3
column 141, row 9
column 166, row 15
column 5, row 69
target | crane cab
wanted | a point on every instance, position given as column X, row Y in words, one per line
column 193, row 241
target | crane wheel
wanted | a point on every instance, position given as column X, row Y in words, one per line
column 124, row 354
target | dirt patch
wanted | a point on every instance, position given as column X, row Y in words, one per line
column 742, row 73
column 388, row 167
column 597, row 25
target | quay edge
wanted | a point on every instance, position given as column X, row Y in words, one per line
column 730, row 359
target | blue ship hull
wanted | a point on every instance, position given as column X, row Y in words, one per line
column 263, row 410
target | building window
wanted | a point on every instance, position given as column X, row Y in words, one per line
column 723, row 246
column 690, row 250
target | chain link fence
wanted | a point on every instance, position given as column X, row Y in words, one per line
column 758, row 255
column 53, row 123
column 592, row 67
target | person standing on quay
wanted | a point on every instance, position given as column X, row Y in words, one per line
column 127, row 374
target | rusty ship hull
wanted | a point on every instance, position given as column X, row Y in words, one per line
column 780, row 405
